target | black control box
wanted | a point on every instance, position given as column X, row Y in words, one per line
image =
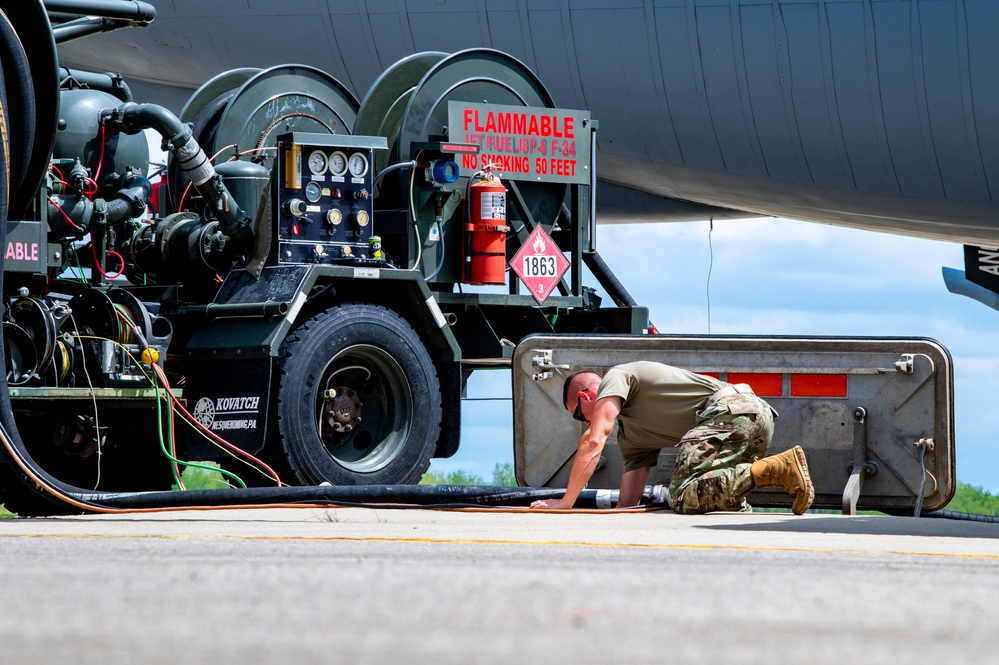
column 323, row 201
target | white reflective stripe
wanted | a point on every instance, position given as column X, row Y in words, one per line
column 436, row 311
column 296, row 307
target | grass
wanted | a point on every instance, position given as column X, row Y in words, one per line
column 202, row 479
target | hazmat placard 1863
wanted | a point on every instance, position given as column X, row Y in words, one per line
column 523, row 143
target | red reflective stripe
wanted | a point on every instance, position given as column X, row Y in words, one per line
column 764, row 385
column 818, row 385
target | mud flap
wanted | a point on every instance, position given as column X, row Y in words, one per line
column 231, row 399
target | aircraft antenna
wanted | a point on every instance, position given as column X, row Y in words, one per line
column 711, row 265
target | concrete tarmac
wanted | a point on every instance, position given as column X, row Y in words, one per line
column 353, row 585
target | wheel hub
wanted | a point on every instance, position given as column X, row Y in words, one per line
column 342, row 409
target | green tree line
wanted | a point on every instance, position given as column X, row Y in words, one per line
column 503, row 476
column 975, row 500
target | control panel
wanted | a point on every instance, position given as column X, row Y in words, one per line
column 324, row 198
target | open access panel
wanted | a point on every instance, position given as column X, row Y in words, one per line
column 874, row 415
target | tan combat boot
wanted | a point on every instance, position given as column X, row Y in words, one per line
column 788, row 470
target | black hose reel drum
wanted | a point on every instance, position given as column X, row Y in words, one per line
column 408, row 104
column 249, row 108
column 31, row 94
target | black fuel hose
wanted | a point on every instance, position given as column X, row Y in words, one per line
column 19, row 104
column 965, row 517
column 419, row 495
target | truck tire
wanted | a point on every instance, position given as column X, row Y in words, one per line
column 383, row 424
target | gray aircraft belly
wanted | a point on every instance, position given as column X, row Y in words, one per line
column 876, row 114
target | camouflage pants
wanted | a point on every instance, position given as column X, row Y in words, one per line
column 712, row 469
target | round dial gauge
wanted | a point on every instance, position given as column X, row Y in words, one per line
column 313, row 192
column 334, row 217
column 358, row 164
column 318, row 162
column 362, row 218
column 338, row 163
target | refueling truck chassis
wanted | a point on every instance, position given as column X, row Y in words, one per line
column 297, row 276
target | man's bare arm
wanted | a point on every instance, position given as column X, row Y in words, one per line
column 591, row 444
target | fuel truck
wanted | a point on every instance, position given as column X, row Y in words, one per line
column 307, row 282
column 301, row 291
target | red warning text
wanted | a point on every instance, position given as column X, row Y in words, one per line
column 539, row 144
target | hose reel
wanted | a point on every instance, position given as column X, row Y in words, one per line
column 248, row 108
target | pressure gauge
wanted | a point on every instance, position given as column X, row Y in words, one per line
column 334, row 217
column 313, row 192
column 358, row 164
column 338, row 163
column 362, row 218
column 318, row 162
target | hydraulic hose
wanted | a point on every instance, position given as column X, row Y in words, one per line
column 966, row 517
column 394, row 167
column 179, row 139
column 419, row 495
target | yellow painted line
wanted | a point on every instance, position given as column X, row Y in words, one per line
column 489, row 541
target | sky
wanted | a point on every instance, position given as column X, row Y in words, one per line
column 782, row 277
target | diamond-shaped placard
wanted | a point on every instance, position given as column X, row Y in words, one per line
column 539, row 264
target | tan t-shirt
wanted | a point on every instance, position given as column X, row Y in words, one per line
column 659, row 407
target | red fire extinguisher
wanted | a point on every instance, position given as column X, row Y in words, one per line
column 485, row 232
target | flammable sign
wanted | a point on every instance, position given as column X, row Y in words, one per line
column 540, row 264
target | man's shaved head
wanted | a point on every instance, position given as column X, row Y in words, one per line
column 576, row 383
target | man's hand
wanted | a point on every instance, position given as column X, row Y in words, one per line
column 550, row 504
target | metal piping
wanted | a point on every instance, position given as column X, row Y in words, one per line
column 131, row 200
column 615, row 289
column 108, row 82
column 269, row 309
column 86, row 27
column 128, row 10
